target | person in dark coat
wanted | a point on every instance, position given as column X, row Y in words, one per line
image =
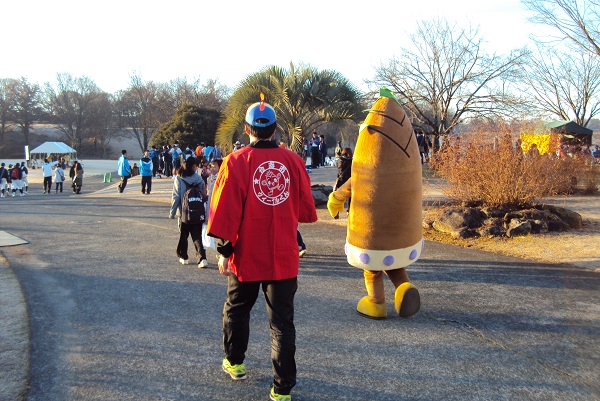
column 344, row 165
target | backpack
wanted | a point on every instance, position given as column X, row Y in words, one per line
column 192, row 205
column 14, row 173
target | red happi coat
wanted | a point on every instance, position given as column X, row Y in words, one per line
column 261, row 193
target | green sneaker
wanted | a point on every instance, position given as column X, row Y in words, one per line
column 279, row 397
column 237, row 372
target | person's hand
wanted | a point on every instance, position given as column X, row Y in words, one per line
column 335, row 206
column 224, row 266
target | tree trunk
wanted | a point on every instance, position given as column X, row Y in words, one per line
column 2, row 147
column 435, row 145
column 25, row 131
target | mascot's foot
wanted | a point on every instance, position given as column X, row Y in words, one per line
column 407, row 300
column 371, row 310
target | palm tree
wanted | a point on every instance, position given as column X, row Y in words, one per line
column 303, row 99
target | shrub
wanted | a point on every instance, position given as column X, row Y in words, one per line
column 497, row 173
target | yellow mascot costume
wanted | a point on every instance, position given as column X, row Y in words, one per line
column 384, row 221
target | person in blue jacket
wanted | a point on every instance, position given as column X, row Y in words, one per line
column 124, row 170
column 154, row 156
column 146, row 171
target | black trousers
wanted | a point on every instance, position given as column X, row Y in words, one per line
column 300, row 241
column 123, row 183
column 195, row 230
column 279, row 297
column 47, row 183
column 146, row 184
column 315, row 156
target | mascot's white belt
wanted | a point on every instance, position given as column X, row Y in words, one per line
column 369, row 259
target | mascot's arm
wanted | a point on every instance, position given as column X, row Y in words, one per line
column 335, row 203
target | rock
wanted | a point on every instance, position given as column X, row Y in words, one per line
column 326, row 189
column 494, row 211
column 538, row 226
column 511, row 216
column 321, row 193
column 518, row 228
column 465, row 233
column 534, row 214
column 441, row 227
column 492, row 231
column 494, row 221
column 557, row 225
column 453, row 219
column 319, row 197
column 467, row 222
column 570, row 217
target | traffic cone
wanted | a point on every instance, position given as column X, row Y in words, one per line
column 105, row 180
column 109, row 177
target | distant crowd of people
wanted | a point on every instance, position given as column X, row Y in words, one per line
column 14, row 178
column 164, row 162
column 316, row 149
column 168, row 159
column 565, row 150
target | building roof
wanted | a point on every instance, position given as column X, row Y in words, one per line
column 53, row 147
column 568, row 127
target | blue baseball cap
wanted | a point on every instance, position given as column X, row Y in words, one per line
column 260, row 114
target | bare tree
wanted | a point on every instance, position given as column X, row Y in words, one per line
column 140, row 110
column 447, row 77
column 27, row 105
column 212, row 95
column 565, row 85
column 575, row 20
column 73, row 104
column 7, row 105
column 104, row 125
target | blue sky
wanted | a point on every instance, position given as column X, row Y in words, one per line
column 228, row 40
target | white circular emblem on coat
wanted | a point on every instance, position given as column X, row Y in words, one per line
column 271, row 182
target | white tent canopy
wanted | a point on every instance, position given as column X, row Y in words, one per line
column 55, row 148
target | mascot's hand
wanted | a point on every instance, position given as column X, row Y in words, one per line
column 335, row 206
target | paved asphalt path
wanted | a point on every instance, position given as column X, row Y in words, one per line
column 113, row 316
